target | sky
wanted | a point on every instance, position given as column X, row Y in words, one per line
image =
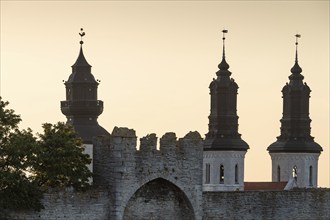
column 156, row 59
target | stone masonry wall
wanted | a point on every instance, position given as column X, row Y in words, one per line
column 68, row 205
column 159, row 199
column 300, row 204
column 124, row 169
column 94, row 205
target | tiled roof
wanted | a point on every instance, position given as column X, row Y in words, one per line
column 264, row 186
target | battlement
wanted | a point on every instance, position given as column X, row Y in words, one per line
column 125, row 139
column 119, row 153
column 124, row 165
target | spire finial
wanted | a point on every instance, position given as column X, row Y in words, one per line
column 296, row 69
column 297, row 36
column 223, row 66
column 82, row 33
column 223, row 42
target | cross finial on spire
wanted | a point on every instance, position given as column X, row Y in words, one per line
column 223, row 42
column 297, row 36
column 82, row 33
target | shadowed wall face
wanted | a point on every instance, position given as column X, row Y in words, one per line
column 159, row 199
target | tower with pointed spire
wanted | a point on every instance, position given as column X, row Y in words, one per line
column 295, row 153
column 81, row 106
column 224, row 150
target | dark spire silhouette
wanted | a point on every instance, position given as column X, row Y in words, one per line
column 296, row 69
column 81, row 106
column 295, row 123
column 223, row 120
column 81, row 64
column 223, row 65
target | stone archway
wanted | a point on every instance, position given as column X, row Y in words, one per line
column 159, row 199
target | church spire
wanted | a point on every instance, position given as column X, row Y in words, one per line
column 295, row 123
column 223, row 148
column 295, row 151
column 223, row 120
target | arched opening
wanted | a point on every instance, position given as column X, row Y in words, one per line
column 236, row 174
column 311, row 176
column 294, row 172
column 278, row 174
column 158, row 199
column 222, row 174
column 207, row 173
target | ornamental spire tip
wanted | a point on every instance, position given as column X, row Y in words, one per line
column 223, row 66
column 82, row 33
column 223, row 42
column 297, row 36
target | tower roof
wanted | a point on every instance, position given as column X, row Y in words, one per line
column 81, row 70
column 295, row 123
column 223, row 120
column 81, row 60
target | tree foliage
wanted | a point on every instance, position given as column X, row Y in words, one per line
column 30, row 164
column 8, row 121
column 17, row 190
column 61, row 161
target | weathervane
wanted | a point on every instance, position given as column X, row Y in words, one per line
column 223, row 34
column 82, row 33
column 223, row 40
column 297, row 36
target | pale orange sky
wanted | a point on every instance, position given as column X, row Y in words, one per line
column 156, row 59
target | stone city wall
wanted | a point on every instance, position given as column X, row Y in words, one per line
column 297, row 204
column 94, row 204
column 119, row 165
column 166, row 183
column 67, row 205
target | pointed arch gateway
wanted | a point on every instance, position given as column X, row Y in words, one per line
column 159, row 199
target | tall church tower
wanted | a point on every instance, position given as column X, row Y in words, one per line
column 81, row 106
column 295, row 154
column 224, row 150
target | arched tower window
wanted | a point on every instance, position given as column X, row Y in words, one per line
column 236, row 174
column 311, row 176
column 294, row 172
column 222, row 174
column 207, row 173
column 278, row 174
